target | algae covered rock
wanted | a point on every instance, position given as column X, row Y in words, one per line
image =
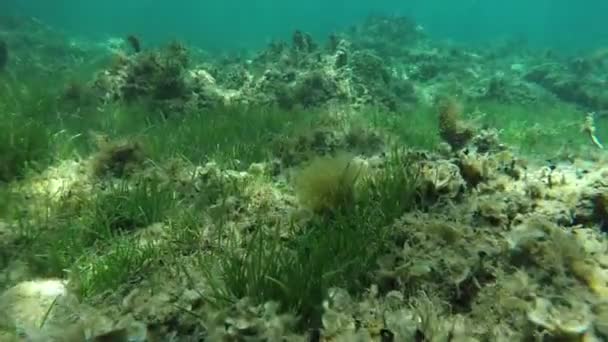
column 571, row 321
column 158, row 76
column 245, row 321
column 440, row 179
column 42, row 310
column 584, row 89
column 46, row 310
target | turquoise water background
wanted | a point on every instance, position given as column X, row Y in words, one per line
column 235, row 24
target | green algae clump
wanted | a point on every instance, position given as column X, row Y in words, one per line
column 452, row 129
column 117, row 158
column 328, row 183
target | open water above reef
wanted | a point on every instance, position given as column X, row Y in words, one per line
column 235, row 24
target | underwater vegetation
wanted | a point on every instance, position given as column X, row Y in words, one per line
column 328, row 183
column 379, row 186
column 452, row 128
column 26, row 139
column 117, row 158
column 134, row 42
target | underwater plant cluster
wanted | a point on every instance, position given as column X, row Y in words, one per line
column 380, row 185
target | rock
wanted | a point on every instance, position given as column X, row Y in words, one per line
column 38, row 307
column 45, row 310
